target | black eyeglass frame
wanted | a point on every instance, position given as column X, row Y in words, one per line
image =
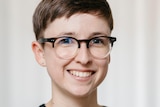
column 87, row 41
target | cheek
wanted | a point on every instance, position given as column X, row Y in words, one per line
column 55, row 66
column 103, row 68
column 56, row 70
column 103, row 64
column 106, row 63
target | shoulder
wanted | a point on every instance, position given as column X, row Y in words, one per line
column 43, row 105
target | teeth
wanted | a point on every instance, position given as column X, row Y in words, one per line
column 81, row 74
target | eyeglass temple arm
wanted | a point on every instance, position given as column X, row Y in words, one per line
column 43, row 40
column 112, row 40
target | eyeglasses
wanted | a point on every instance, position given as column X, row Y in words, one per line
column 67, row 47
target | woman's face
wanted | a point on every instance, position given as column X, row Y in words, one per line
column 80, row 75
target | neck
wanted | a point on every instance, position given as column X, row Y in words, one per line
column 60, row 99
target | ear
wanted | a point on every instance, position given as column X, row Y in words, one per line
column 38, row 53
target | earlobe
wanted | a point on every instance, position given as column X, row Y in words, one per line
column 38, row 53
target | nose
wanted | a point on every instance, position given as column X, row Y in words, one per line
column 83, row 56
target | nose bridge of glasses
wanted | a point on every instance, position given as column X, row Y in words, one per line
column 86, row 41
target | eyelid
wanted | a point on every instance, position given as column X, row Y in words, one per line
column 66, row 36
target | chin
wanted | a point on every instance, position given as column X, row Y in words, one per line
column 81, row 93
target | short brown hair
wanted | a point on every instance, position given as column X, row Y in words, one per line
column 48, row 10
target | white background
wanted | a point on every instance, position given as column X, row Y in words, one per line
column 133, row 79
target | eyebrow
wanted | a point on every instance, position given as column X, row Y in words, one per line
column 99, row 33
column 93, row 34
column 67, row 33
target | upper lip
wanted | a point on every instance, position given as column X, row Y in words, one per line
column 81, row 70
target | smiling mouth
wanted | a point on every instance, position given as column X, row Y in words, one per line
column 81, row 74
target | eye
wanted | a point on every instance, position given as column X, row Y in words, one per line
column 65, row 40
column 97, row 41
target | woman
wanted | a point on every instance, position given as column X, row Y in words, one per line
column 73, row 42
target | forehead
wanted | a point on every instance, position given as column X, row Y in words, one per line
column 80, row 24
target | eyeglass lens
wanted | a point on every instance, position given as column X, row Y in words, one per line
column 67, row 47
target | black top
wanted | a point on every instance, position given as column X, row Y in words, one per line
column 43, row 105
